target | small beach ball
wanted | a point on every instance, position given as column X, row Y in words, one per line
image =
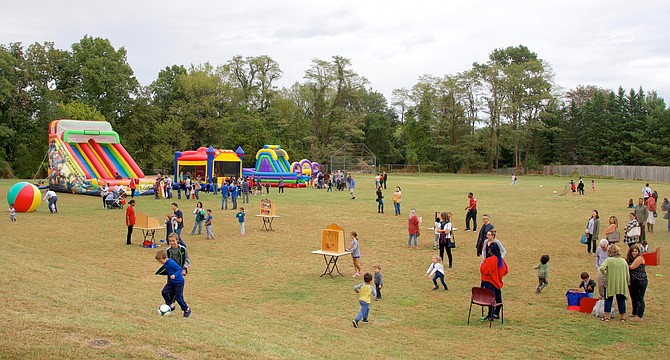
column 25, row 196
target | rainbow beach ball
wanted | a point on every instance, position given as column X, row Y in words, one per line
column 25, row 196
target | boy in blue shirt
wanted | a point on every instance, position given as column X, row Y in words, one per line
column 240, row 218
column 174, row 289
column 233, row 194
column 208, row 224
column 224, row 195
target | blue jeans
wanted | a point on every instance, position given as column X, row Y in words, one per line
column 214, row 188
column 409, row 240
column 620, row 300
column 439, row 275
column 52, row 204
column 397, row 208
column 380, row 206
column 198, row 224
column 234, row 198
column 178, row 231
column 365, row 310
column 224, row 202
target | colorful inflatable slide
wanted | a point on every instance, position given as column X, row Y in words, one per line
column 272, row 164
column 86, row 154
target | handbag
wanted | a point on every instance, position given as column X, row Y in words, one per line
column 634, row 232
column 614, row 237
column 451, row 242
column 665, row 216
column 584, row 239
column 599, row 308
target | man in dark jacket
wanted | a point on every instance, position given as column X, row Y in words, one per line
column 481, row 239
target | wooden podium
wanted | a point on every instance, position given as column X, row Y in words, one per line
column 267, row 213
column 148, row 225
column 332, row 239
column 268, row 208
column 332, row 247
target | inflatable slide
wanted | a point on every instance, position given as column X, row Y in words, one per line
column 86, row 154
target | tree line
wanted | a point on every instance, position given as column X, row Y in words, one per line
column 503, row 112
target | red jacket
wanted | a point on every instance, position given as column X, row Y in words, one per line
column 492, row 273
column 651, row 204
column 413, row 225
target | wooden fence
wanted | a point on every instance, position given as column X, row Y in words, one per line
column 646, row 173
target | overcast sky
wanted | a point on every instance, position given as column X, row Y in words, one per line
column 391, row 43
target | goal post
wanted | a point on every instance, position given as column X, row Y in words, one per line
column 355, row 157
column 403, row 168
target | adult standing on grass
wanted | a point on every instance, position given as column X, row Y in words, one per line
column 492, row 271
column 651, row 214
column 130, row 220
column 638, row 281
column 397, row 198
column 629, row 237
column 601, row 256
column 385, row 179
column 178, row 222
column 245, row 191
column 592, row 230
column 481, row 239
column 616, row 274
column 471, row 213
column 233, row 193
column 641, row 216
column 413, row 229
column 490, row 240
column 133, row 187
column 646, row 192
column 352, row 186
column 280, row 185
column 666, row 207
column 224, row 195
column 380, row 200
column 612, row 231
column 199, row 213
column 445, row 236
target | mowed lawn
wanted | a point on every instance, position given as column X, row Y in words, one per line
column 71, row 288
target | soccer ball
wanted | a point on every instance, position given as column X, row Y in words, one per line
column 540, row 185
column 554, row 191
column 164, row 310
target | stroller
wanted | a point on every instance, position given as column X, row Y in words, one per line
column 115, row 200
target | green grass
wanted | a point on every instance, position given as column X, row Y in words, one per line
column 72, row 289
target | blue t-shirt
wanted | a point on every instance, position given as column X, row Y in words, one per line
column 240, row 216
column 179, row 215
column 172, row 268
column 233, row 191
column 208, row 220
column 224, row 190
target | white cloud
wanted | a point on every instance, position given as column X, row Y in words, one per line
column 392, row 43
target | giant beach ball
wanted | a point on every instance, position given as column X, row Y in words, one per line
column 25, row 196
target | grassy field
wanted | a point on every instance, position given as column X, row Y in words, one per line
column 73, row 289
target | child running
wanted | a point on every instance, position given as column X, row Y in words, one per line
column 365, row 293
column 174, row 289
column 542, row 273
column 355, row 253
column 12, row 213
column 436, row 270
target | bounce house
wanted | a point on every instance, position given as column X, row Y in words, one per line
column 272, row 164
column 305, row 168
column 207, row 162
column 86, row 154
